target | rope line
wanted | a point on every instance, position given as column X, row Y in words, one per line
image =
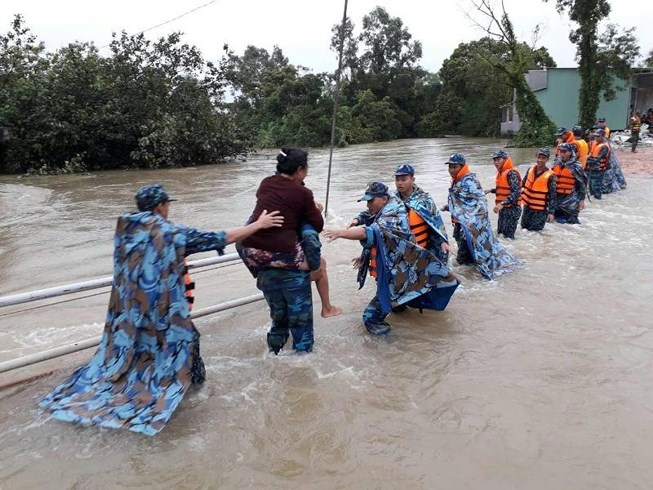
column 169, row 21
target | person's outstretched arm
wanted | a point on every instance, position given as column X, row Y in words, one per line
column 265, row 220
column 356, row 233
column 203, row 241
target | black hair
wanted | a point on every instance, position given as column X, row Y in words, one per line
column 289, row 160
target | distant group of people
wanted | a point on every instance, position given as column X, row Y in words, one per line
column 149, row 354
column 584, row 164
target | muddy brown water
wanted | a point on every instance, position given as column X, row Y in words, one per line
column 540, row 379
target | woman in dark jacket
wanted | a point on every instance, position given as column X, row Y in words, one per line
column 286, row 261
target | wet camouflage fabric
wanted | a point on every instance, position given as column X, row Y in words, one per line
column 468, row 206
column 596, row 176
column 309, row 249
column 423, row 204
column 508, row 221
column 150, row 196
column 149, row 352
column 374, row 318
column 509, row 217
column 613, row 177
column 288, row 294
column 568, row 205
column 406, row 271
column 535, row 220
column 463, row 255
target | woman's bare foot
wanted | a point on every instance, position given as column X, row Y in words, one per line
column 330, row 311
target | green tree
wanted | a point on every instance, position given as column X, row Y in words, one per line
column 149, row 103
column 384, row 59
column 276, row 102
column 375, row 120
column 473, row 90
column 599, row 56
column 536, row 127
column 617, row 51
column 23, row 66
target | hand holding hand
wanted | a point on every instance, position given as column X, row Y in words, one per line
column 353, row 222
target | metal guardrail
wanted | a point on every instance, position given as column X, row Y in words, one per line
column 49, row 354
column 16, row 299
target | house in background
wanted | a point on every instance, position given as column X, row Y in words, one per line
column 557, row 90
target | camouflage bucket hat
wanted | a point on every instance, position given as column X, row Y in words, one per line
column 150, row 196
column 404, row 169
column 375, row 189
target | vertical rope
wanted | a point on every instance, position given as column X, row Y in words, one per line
column 336, row 96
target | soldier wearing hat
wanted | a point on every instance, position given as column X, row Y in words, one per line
column 508, row 194
column 405, row 271
column 423, row 214
column 581, row 145
column 538, row 193
column 600, row 123
column 598, row 162
column 472, row 229
column 564, row 135
column 571, row 185
column 149, row 353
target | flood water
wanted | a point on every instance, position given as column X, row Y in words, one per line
column 539, row 380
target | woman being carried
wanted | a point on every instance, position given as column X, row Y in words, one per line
column 295, row 247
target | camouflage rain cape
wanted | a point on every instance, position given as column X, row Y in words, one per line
column 421, row 202
column 570, row 203
column 468, row 206
column 149, row 352
column 613, row 177
column 407, row 273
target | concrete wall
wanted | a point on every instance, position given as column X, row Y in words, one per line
column 560, row 100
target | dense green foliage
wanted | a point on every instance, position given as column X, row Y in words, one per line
column 474, row 89
column 148, row 104
column 158, row 103
column 511, row 59
column 600, row 55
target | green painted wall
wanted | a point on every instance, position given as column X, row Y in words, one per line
column 560, row 100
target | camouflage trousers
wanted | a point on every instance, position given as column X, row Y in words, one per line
column 508, row 221
column 374, row 318
column 596, row 183
column 288, row 294
column 463, row 256
column 533, row 220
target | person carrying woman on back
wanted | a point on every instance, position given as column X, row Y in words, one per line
column 285, row 262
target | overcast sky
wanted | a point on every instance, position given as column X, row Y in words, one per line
column 302, row 28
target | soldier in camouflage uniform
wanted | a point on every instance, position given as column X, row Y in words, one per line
column 508, row 191
column 571, row 185
column 538, row 193
column 405, row 271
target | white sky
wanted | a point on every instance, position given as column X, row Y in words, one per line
column 302, row 28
